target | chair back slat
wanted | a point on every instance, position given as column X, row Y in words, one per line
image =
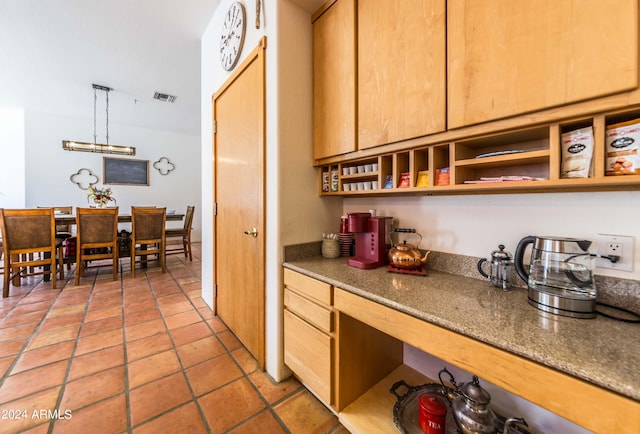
column 97, row 238
column 148, row 231
column 98, row 228
column 28, row 232
column 25, row 232
column 149, row 223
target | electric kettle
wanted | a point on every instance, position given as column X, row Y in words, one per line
column 560, row 275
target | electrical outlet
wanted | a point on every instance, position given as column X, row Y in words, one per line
column 618, row 245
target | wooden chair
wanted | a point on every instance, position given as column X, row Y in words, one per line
column 183, row 233
column 63, row 231
column 147, row 235
column 29, row 241
column 96, row 238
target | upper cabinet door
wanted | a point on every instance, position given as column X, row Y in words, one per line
column 334, row 80
column 401, row 70
column 510, row 57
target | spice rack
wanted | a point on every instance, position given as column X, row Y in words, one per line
column 519, row 161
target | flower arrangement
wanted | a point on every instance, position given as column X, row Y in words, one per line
column 100, row 196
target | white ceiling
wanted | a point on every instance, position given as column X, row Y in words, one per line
column 54, row 50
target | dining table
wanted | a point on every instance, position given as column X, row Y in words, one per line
column 70, row 219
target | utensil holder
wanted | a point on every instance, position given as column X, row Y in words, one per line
column 330, row 249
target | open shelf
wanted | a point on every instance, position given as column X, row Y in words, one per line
column 488, row 164
column 373, row 411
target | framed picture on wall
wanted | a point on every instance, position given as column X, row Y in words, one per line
column 125, row 171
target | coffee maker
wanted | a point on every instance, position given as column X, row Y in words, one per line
column 370, row 234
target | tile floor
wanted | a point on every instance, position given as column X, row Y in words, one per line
column 138, row 355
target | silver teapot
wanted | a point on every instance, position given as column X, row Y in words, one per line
column 470, row 407
column 471, row 411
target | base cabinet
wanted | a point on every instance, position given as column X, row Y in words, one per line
column 513, row 373
column 307, row 352
column 308, row 333
column 351, row 362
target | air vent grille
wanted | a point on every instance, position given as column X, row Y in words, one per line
column 164, row 97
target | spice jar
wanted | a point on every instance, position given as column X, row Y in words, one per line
column 431, row 414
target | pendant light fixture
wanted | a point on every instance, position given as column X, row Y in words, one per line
column 69, row 145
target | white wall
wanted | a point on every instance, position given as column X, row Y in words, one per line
column 474, row 225
column 48, row 184
column 12, row 158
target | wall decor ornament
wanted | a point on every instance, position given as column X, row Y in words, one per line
column 84, row 178
column 164, row 166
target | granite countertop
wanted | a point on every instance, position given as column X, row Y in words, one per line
column 602, row 351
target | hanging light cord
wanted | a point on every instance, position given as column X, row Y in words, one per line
column 95, row 98
column 107, row 92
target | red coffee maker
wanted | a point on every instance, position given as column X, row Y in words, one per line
column 370, row 240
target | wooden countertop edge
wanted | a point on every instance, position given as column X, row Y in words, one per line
column 586, row 404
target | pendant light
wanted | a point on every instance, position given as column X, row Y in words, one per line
column 69, row 145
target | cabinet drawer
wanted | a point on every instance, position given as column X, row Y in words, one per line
column 308, row 352
column 317, row 315
column 312, row 288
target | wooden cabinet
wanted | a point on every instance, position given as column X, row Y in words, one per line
column 507, row 58
column 334, row 79
column 401, row 70
column 483, row 163
column 308, row 333
column 369, row 406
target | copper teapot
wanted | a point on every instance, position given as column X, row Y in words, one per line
column 405, row 255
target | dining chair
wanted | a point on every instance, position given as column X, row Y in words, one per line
column 147, row 235
column 183, row 233
column 29, row 241
column 63, row 232
column 96, row 238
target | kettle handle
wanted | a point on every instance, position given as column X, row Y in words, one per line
column 518, row 256
column 480, row 262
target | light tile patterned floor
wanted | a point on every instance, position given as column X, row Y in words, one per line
column 143, row 355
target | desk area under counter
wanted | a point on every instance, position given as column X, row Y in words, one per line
column 585, row 371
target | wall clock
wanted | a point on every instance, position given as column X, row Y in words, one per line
column 232, row 36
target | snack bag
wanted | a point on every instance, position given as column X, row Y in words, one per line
column 623, row 140
column 577, row 153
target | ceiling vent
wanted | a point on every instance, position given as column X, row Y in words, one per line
column 164, row 97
